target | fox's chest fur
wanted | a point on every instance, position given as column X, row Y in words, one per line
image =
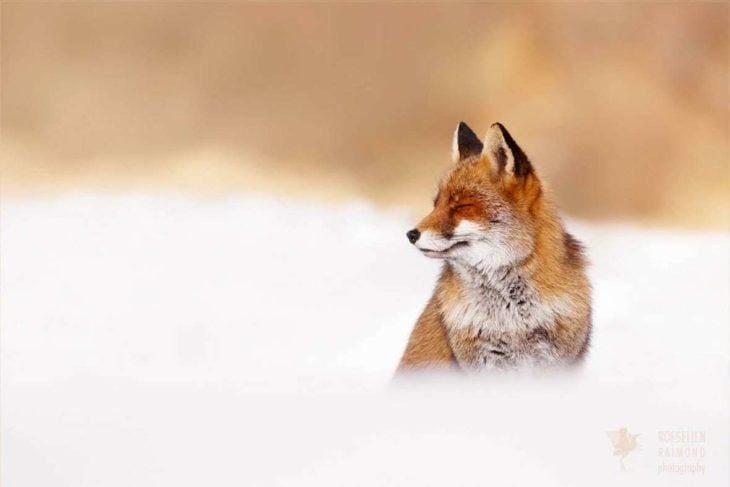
column 497, row 319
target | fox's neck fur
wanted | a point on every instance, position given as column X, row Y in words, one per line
column 515, row 314
column 527, row 282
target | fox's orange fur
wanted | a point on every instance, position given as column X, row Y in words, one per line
column 513, row 290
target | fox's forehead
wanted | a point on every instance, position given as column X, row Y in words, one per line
column 464, row 182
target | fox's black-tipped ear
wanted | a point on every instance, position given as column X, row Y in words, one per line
column 504, row 154
column 466, row 143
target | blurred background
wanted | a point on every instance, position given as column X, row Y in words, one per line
column 623, row 108
column 204, row 277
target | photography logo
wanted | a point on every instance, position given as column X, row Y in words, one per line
column 681, row 452
column 623, row 444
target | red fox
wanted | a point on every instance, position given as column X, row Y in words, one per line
column 513, row 291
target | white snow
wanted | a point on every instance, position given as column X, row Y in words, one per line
column 169, row 340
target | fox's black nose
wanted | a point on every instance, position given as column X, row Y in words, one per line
column 413, row 235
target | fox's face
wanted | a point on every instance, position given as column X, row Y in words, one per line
column 482, row 213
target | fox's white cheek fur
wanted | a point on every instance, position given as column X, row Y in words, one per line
column 468, row 229
column 488, row 249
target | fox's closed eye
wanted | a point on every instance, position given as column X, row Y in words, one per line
column 467, row 205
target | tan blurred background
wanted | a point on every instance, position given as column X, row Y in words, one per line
column 623, row 108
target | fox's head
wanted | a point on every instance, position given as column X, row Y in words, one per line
column 485, row 209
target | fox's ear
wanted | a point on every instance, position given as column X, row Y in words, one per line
column 466, row 143
column 504, row 155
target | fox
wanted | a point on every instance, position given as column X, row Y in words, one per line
column 513, row 290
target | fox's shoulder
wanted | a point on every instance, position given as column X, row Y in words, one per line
column 428, row 345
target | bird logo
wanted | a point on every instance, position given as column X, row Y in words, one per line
column 623, row 444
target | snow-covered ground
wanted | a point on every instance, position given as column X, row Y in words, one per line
column 162, row 340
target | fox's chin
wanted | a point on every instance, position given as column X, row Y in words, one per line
column 445, row 253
